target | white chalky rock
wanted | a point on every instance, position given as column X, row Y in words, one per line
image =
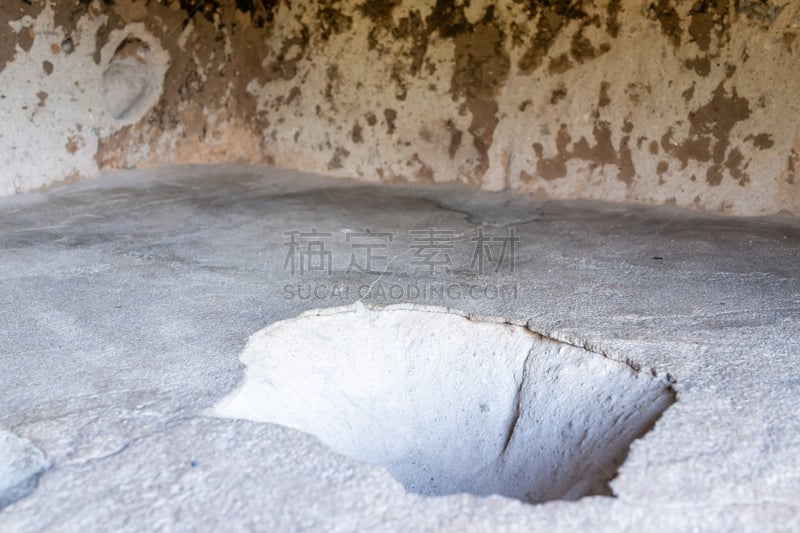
column 133, row 80
column 21, row 464
column 449, row 404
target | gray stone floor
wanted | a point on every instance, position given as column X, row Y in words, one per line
column 126, row 300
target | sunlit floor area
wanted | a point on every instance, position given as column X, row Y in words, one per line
column 135, row 306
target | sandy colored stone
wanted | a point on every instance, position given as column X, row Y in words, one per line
column 483, row 94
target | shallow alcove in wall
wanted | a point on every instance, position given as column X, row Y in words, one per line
column 450, row 404
column 128, row 87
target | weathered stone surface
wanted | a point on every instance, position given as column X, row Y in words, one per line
column 21, row 464
column 127, row 300
column 524, row 416
column 556, row 99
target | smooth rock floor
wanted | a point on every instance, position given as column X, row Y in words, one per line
column 126, row 300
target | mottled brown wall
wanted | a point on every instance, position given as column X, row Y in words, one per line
column 694, row 103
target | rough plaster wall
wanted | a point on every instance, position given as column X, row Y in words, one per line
column 656, row 101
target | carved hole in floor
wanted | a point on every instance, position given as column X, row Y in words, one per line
column 448, row 404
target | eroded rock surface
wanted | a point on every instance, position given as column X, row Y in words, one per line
column 660, row 101
column 21, row 464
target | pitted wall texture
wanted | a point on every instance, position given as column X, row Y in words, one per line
column 693, row 103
